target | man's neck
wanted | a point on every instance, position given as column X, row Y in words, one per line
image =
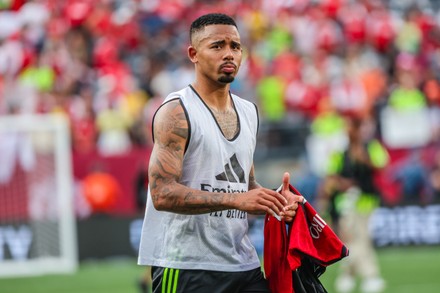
column 216, row 97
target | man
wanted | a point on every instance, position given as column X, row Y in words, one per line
column 352, row 196
column 201, row 176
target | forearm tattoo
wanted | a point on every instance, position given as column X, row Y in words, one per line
column 253, row 184
column 165, row 169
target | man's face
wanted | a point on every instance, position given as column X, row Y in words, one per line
column 216, row 51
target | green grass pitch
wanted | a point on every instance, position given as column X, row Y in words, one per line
column 406, row 270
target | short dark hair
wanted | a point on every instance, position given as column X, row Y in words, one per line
column 210, row 19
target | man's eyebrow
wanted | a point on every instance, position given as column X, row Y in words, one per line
column 222, row 42
column 219, row 42
column 236, row 43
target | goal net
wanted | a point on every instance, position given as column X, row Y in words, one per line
column 37, row 222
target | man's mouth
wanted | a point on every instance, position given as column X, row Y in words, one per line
column 228, row 68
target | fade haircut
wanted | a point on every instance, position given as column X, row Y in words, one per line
column 209, row 19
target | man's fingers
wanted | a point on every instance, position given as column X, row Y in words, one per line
column 291, row 207
column 285, row 190
column 280, row 198
column 288, row 215
column 298, row 198
column 275, row 199
column 286, row 181
column 271, row 206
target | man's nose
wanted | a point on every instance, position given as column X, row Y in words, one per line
column 229, row 54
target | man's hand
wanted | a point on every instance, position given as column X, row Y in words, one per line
column 260, row 201
column 289, row 210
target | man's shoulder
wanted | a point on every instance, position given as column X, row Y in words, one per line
column 173, row 101
column 243, row 102
column 180, row 94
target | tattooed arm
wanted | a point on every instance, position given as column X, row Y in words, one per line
column 170, row 136
column 252, row 181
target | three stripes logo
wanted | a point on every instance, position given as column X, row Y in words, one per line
column 170, row 279
column 233, row 171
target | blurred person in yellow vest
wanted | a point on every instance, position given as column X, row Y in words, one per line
column 350, row 196
column 327, row 136
column 409, row 35
column 113, row 126
column 271, row 95
column 406, row 95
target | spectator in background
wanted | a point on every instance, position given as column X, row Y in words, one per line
column 271, row 96
column 327, row 135
column 409, row 36
column 350, row 196
column 112, row 126
column 406, row 95
column 82, row 116
column 408, row 99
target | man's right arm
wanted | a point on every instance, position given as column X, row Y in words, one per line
column 165, row 169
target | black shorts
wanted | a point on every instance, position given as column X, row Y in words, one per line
column 167, row 280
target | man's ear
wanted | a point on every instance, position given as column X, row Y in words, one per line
column 192, row 54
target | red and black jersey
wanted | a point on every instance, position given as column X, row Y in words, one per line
column 287, row 246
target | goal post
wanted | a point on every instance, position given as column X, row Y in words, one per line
column 37, row 219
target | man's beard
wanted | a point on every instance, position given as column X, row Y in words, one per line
column 226, row 79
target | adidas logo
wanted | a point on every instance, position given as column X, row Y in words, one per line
column 233, row 171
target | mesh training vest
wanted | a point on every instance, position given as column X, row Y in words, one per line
column 215, row 241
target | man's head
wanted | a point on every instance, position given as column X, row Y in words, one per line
column 354, row 128
column 209, row 19
column 215, row 47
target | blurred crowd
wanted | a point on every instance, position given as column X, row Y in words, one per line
column 107, row 65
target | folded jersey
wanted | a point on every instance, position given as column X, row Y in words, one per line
column 308, row 241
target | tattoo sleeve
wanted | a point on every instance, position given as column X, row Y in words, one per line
column 165, row 168
column 253, row 184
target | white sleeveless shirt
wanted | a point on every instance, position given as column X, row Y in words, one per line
column 215, row 241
